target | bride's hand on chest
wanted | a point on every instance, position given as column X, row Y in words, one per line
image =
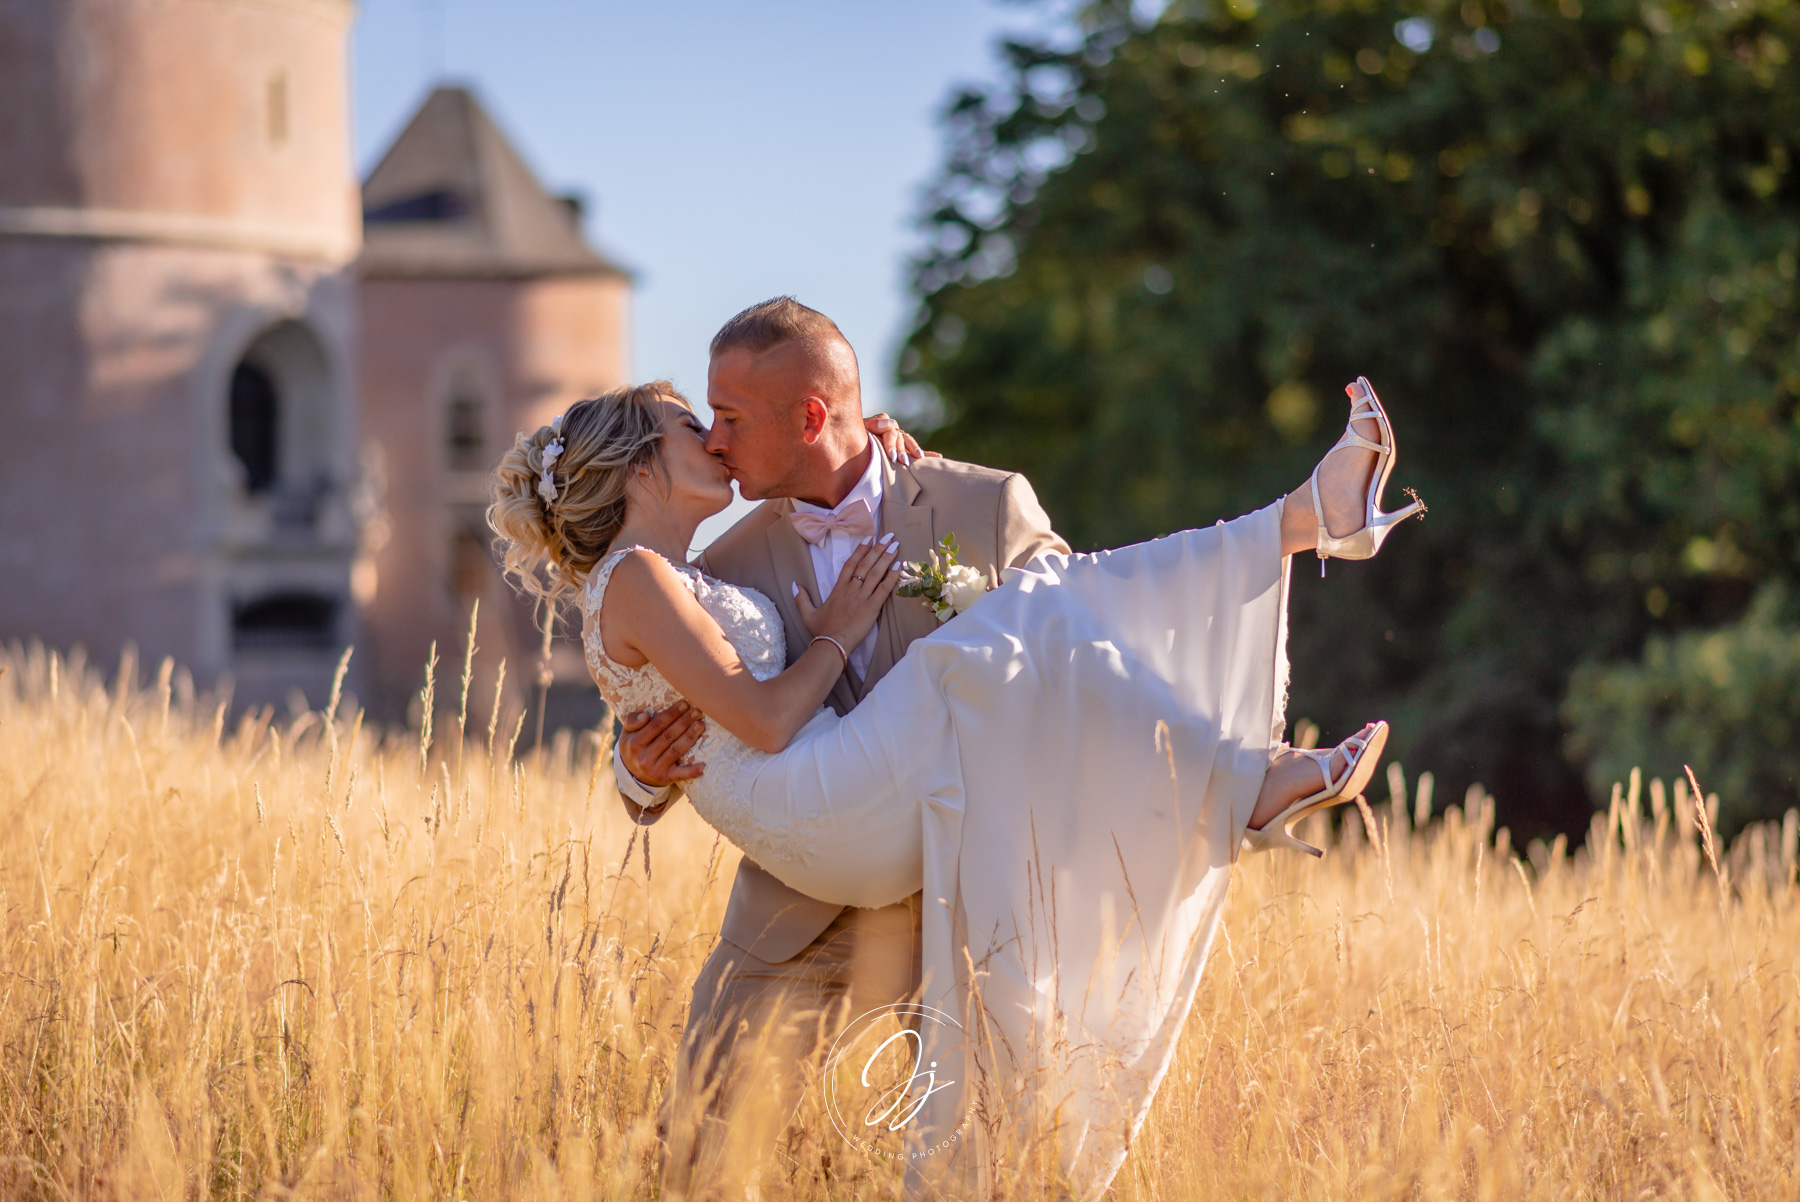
column 868, row 579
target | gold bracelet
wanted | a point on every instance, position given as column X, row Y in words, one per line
column 840, row 647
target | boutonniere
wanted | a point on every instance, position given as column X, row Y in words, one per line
column 947, row 587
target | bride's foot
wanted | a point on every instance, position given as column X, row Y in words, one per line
column 1292, row 775
column 1344, row 480
column 1337, row 512
column 1292, row 789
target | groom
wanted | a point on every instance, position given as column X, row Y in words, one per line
column 788, row 422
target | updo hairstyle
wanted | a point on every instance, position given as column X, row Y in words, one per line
column 549, row 546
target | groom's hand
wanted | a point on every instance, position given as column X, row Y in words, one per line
column 653, row 744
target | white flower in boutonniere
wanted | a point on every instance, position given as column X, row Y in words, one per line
column 946, row 586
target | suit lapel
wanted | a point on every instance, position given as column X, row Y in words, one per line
column 792, row 560
column 903, row 619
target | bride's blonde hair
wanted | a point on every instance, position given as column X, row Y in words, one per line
column 548, row 546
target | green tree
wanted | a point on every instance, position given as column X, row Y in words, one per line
column 1561, row 240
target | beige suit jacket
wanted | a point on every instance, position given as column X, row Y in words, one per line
column 998, row 523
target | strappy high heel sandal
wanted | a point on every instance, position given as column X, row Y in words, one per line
column 1363, row 543
column 1364, row 752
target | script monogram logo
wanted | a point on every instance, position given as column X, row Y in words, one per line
column 903, row 1090
column 878, row 1080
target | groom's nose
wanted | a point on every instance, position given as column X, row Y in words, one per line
column 716, row 442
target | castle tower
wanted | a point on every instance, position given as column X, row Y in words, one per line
column 484, row 312
column 177, row 213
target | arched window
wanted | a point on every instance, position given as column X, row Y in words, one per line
column 281, row 429
column 255, row 426
column 465, row 440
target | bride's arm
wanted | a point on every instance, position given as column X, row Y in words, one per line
column 650, row 616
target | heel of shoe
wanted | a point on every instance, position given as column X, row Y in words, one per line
column 1378, row 530
column 1279, row 833
column 1276, row 837
column 1413, row 506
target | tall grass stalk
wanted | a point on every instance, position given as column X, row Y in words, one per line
column 220, row 978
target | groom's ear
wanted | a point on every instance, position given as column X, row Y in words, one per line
column 813, row 416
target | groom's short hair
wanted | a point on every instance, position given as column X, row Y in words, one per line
column 770, row 323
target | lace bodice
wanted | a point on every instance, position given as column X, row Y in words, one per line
column 750, row 621
column 752, row 625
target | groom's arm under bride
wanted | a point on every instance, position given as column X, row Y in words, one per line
column 651, row 747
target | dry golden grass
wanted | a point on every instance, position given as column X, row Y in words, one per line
column 291, row 959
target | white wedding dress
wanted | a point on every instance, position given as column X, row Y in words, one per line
column 1066, row 769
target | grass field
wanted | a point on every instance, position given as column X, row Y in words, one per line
column 294, row 958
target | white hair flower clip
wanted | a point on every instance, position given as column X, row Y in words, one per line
column 552, row 452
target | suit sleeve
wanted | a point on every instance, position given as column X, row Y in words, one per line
column 1024, row 531
column 643, row 805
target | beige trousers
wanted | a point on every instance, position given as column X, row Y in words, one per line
column 756, row 1032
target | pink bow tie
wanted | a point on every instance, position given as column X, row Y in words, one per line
column 854, row 519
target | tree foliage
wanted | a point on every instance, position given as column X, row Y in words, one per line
column 1559, row 237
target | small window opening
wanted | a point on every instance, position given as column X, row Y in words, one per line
column 469, row 563
column 285, row 622
column 439, row 204
column 466, row 446
column 255, row 416
column 278, row 110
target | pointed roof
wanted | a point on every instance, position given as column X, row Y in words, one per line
column 452, row 199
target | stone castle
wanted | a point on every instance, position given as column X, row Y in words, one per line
column 246, row 412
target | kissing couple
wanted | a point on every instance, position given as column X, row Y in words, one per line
column 1021, row 820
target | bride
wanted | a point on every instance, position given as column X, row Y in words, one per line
column 1068, row 768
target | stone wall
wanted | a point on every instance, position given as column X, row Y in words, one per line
column 180, row 204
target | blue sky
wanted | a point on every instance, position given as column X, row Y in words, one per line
column 729, row 151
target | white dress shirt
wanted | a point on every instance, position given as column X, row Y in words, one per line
column 830, row 554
